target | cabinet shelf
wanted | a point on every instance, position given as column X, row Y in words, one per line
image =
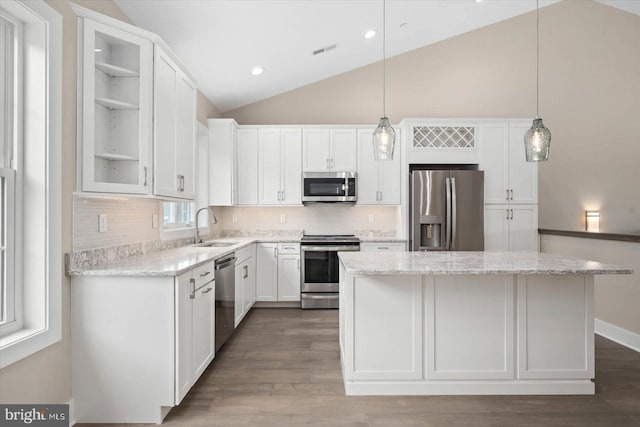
column 115, row 71
column 109, row 156
column 113, row 104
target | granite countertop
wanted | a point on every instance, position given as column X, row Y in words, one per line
column 420, row 263
column 172, row 262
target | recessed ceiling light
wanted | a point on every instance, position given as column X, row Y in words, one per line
column 256, row 71
column 97, row 49
column 369, row 34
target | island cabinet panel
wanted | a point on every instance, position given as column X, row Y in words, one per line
column 387, row 321
column 469, row 323
column 555, row 327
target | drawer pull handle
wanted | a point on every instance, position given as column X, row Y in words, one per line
column 207, row 290
column 206, row 273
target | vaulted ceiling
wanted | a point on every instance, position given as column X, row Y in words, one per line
column 221, row 41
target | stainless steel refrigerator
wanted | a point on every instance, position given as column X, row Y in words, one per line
column 447, row 210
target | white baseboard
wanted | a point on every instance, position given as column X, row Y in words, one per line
column 72, row 416
column 615, row 333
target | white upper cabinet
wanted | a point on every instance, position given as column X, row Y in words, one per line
column 136, row 113
column 279, row 166
column 378, row 181
column 223, row 175
column 115, row 118
column 508, row 177
column 247, row 141
column 329, row 150
column 174, row 129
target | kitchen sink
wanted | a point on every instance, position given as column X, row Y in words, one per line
column 215, row 244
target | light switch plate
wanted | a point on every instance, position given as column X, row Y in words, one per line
column 371, row 218
column 154, row 220
column 102, row 223
column 283, row 219
column 234, row 218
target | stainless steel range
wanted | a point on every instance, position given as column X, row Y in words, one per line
column 320, row 270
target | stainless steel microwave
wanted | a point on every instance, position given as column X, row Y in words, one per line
column 329, row 187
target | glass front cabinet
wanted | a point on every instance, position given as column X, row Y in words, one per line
column 116, row 92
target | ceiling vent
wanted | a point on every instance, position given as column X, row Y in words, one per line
column 325, row 49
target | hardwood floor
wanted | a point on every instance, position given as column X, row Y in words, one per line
column 282, row 368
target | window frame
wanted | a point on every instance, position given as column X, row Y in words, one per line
column 11, row 319
column 38, row 163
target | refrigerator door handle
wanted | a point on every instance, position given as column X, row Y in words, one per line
column 454, row 214
column 447, row 237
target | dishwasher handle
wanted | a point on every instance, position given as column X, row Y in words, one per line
column 225, row 262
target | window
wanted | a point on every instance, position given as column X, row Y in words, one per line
column 176, row 215
column 30, row 171
column 10, row 46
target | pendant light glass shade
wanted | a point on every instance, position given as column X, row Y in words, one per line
column 538, row 138
column 537, row 141
column 384, row 139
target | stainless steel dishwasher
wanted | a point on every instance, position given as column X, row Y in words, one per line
column 225, row 298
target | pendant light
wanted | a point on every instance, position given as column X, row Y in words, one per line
column 538, row 138
column 384, row 137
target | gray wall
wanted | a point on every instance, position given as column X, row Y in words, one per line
column 589, row 90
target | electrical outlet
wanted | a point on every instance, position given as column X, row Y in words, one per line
column 283, row 219
column 371, row 218
column 234, row 218
column 154, row 220
column 102, row 223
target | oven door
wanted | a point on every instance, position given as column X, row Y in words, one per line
column 320, row 270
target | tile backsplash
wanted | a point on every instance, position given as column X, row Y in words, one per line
column 313, row 219
column 129, row 220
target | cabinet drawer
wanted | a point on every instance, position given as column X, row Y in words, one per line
column 203, row 274
column 244, row 253
column 382, row 247
column 288, row 248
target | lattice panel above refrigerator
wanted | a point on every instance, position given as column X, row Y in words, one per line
column 444, row 137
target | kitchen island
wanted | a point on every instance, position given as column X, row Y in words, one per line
column 436, row 323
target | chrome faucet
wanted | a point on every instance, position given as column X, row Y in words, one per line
column 212, row 220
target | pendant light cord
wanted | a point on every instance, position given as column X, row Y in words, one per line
column 537, row 59
column 384, row 58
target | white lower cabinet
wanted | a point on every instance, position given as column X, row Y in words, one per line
column 278, row 270
column 511, row 228
column 267, row 271
column 382, row 246
column 139, row 343
column 289, row 277
column 245, row 283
